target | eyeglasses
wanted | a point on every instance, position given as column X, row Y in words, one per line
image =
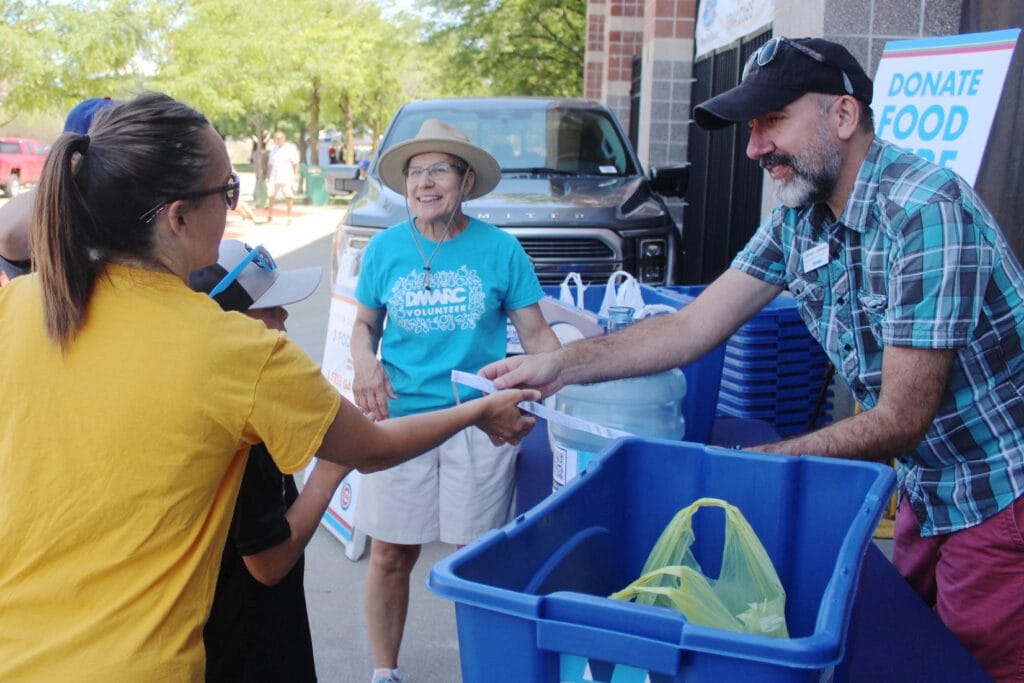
column 231, row 193
column 258, row 255
column 764, row 55
column 435, row 170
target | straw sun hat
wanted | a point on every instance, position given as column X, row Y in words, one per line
column 437, row 136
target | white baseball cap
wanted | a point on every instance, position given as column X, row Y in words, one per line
column 258, row 282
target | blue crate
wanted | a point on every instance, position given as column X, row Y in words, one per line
column 810, row 379
column 784, row 423
column 783, row 360
column 703, row 377
column 772, row 353
column 767, row 394
column 765, row 344
column 781, row 412
column 530, row 597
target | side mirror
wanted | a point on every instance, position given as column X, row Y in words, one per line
column 670, row 182
column 343, row 178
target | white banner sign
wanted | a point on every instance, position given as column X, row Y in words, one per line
column 938, row 96
column 337, row 368
column 720, row 22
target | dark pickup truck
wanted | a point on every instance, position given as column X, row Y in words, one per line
column 572, row 190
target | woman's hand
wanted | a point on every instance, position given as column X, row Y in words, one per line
column 371, row 388
column 502, row 419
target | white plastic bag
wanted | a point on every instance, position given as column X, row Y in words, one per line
column 626, row 293
column 565, row 292
column 651, row 310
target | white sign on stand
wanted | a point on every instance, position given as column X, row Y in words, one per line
column 337, row 368
column 937, row 97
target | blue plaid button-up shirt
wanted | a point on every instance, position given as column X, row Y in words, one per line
column 916, row 260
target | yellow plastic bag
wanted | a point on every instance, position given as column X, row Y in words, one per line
column 747, row 596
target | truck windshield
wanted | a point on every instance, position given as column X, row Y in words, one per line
column 540, row 140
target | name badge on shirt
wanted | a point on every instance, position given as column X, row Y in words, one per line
column 815, row 257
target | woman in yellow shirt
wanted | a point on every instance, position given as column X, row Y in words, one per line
column 130, row 403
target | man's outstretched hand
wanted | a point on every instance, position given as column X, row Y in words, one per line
column 540, row 371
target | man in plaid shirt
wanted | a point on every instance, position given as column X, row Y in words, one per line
column 902, row 274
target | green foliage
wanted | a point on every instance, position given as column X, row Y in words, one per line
column 302, row 65
column 511, row 47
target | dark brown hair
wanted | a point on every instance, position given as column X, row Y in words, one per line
column 137, row 154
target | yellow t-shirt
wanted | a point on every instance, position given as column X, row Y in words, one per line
column 120, row 462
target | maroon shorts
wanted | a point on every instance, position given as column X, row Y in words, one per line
column 975, row 581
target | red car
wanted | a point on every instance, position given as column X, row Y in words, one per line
column 21, row 163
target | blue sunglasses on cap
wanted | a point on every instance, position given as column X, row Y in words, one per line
column 258, row 255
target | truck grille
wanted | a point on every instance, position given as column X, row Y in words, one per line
column 554, row 257
column 565, row 248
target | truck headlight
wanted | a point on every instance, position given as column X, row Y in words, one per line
column 652, row 267
column 652, row 249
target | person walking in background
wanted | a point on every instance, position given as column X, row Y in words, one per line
column 446, row 285
column 258, row 628
column 130, row 403
column 903, row 275
column 284, row 169
column 16, row 214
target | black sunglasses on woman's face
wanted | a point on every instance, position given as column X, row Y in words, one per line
column 231, row 193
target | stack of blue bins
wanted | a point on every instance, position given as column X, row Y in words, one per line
column 773, row 370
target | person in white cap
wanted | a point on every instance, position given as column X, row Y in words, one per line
column 258, row 629
column 447, row 284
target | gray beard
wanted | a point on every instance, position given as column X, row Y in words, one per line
column 815, row 172
column 797, row 192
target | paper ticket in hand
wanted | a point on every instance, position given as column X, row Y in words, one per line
column 539, row 409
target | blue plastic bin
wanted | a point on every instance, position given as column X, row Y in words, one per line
column 703, row 377
column 530, row 597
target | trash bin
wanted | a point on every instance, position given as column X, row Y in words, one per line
column 545, row 615
column 316, row 189
column 259, row 194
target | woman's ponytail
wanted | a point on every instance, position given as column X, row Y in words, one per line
column 61, row 229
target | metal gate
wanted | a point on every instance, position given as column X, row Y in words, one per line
column 723, row 204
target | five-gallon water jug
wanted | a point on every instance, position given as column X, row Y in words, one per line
column 648, row 406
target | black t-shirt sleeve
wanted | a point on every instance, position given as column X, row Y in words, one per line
column 259, row 521
column 14, row 268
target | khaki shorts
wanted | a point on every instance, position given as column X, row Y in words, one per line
column 455, row 493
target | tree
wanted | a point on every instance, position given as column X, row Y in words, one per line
column 225, row 58
column 378, row 67
column 511, row 47
column 54, row 54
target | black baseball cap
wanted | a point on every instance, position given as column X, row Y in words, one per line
column 781, row 71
